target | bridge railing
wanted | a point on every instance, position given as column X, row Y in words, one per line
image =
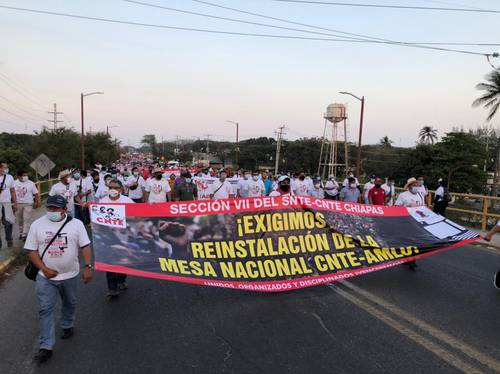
column 44, row 186
column 478, row 211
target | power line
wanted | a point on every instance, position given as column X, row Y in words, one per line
column 236, row 33
column 365, row 39
column 19, row 107
column 387, row 6
column 10, row 83
column 15, row 115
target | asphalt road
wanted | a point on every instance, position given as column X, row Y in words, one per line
column 443, row 318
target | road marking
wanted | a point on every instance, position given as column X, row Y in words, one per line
column 450, row 340
column 428, row 344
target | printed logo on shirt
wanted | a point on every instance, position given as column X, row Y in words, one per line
column 21, row 192
column 109, row 215
column 58, row 246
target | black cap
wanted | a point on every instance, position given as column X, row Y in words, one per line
column 56, row 201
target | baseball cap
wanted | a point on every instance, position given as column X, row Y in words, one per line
column 56, row 201
column 157, row 170
column 282, row 178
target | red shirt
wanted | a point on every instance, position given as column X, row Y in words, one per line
column 377, row 196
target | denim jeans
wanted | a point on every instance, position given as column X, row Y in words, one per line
column 7, row 225
column 46, row 292
column 114, row 280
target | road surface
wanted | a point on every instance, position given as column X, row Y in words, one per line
column 443, row 318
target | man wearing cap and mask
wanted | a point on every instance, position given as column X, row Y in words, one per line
column 58, row 270
column 157, row 188
column 67, row 190
column 284, row 187
column 331, row 188
column 411, row 198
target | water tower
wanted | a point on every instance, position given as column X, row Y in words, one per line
column 329, row 161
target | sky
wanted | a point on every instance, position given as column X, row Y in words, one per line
column 187, row 84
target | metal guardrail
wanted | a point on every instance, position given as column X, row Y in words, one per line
column 45, row 186
column 470, row 209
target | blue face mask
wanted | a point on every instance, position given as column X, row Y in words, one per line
column 76, row 175
column 54, row 216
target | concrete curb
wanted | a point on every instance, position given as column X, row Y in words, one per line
column 5, row 264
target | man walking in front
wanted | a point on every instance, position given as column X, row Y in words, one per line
column 61, row 238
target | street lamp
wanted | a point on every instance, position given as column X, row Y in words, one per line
column 358, row 158
column 237, row 143
column 82, row 136
column 110, row 127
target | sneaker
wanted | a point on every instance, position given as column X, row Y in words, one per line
column 67, row 333
column 43, row 355
column 496, row 280
column 112, row 294
column 123, row 286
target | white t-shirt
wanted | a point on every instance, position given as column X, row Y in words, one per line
column 439, row 192
column 331, row 184
column 389, row 191
column 121, row 200
column 68, row 191
column 141, row 185
column 409, row 199
column 256, row 188
column 158, row 190
column 5, row 196
column 423, row 190
column 368, row 186
column 301, row 188
column 223, row 192
column 317, row 193
column 82, row 185
column 243, row 187
column 62, row 254
column 25, row 191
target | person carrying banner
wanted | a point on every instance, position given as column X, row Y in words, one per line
column 186, row 189
column 255, row 185
column 411, row 198
column 61, row 238
column 331, row 188
column 351, row 193
column 221, row 188
column 116, row 281
column 283, row 187
column 376, row 195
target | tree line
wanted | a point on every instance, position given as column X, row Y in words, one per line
column 61, row 145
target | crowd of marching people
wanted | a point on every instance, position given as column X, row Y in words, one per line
column 55, row 240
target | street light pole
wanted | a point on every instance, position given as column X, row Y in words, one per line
column 358, row 157
column 237, row 142
column 82, row 135
column 109, row 127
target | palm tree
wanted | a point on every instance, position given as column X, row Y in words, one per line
column 491, row 98
column 386, row 142
column 427, row 135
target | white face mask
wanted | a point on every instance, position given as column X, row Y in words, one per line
column 317, row 185
column 255, row 178
column 352, row 185
column 114, row 193
column 414, row 190
column 136, row 173
column 54, row 216
column 246, row 176
column 24, row 178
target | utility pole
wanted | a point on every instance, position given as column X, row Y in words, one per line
column 279, row 138
column 207, row 136
column 55, row 121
